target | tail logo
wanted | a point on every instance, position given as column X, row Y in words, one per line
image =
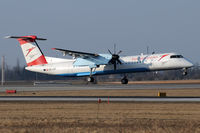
column 29, row 50
column 32, row 53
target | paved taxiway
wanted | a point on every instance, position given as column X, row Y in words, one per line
column 98, row 87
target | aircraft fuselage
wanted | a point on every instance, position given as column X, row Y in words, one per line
column 130, row 64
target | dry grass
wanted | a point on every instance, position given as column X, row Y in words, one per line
column 61, row 117
column 75, row 117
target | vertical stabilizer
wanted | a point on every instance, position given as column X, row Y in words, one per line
column 32, row 52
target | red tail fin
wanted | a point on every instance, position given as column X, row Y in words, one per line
column 32, row 53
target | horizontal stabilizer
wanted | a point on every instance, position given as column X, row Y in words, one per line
column 26, row 37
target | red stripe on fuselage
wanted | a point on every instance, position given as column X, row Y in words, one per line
column 39, row 61
column 163, row 56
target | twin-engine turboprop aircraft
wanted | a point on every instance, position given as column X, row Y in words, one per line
column 89, row 64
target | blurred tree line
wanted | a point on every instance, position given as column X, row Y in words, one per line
column 18, row 72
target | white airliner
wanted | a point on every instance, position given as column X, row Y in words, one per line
column 89, row 64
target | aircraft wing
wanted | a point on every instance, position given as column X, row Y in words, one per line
column 75, row 53
column 87, row 59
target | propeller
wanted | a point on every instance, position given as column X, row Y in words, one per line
column 115, row 57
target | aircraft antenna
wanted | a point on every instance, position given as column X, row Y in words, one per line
column 147, row 49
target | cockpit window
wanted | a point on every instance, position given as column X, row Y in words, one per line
column 176, row 56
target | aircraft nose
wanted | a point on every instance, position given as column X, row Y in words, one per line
column 189, row 64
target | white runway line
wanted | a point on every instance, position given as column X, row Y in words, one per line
column 95, row 99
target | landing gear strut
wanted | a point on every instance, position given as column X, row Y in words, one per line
column 124, row 80
column 184, row 71
column 90, row 79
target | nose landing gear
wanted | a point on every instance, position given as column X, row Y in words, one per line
column 185, row 71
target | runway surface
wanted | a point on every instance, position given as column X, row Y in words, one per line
column 98, row 87
column 54, row 87
column 96, row 99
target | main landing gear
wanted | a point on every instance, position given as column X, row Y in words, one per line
column 124, row 80
column 91, row 79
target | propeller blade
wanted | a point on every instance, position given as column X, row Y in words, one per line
column 115, row 66
column 109, row 51
column 119, row 61
column 119, row 52
column 114, row 48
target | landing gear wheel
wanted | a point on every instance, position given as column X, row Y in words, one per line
column 90, row 79
column 124, row 81
column 184, row 73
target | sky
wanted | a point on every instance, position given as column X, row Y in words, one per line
column 96, row 25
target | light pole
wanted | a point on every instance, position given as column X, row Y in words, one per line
column 2, row 70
